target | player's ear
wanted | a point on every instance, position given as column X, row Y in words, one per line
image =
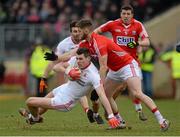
column 86, row 30
column 89, row 58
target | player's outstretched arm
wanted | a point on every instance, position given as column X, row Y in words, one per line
column 63, row 57
column 103, row 99
column 43, row 83
column 61, row 67
column 103, row 66
column 98, row 30
column 113, row 122
column 144, row 43
column 66, row 56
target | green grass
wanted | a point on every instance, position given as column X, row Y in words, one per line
column 75, row 122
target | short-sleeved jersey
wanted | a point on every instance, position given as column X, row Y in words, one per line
column 66, row 45
column 89, row 79
column 123, row 34
column 100, row 45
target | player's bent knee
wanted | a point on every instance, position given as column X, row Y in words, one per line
column 28, row 101
column 138, row 95
column 94, row 96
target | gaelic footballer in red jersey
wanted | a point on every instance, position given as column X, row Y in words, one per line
column 130, row 35
column 126, row 31
column 122, row 68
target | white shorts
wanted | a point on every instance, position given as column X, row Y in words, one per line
column 60, row 101
column 130, row 70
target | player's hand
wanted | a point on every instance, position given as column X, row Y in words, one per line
column 113, row 122
column 50, row 56
column 43, row 85
column 74, row 74
column 178, row 48
column 132, row 44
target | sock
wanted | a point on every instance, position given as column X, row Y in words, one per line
column 137, row 104
column 158, row 115
column 118, row 116
column 95, row 114
column 86, row 110
column 34, row 118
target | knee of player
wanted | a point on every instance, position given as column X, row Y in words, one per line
column 94, row 96
column 29, row 101
column 137, row 94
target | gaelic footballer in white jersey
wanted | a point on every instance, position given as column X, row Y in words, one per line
column 70, row 92
column 65, row 46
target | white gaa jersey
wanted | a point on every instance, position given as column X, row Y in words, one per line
column 74, row 90
column 65, row 46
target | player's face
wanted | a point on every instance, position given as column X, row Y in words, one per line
column 75, row 33
column 126, row 16
column 82, row 61
column 82, row 34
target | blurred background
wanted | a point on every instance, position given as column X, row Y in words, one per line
column 25, row 23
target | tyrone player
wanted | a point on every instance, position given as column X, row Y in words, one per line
column 64, row 46
column 84, row 77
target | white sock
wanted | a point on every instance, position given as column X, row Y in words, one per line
column 138, row 107
column 95, row 114
column 159, row 117
column 118, row 116
column 34, row 118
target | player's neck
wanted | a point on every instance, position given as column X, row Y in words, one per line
column 88, row 38
column 74, row 40
column 86, row 66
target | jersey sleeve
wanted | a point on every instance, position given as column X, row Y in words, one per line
column 142, row 32
column 59, row 49
column 96, row 80
column 72, row 62
column 102, row 48
column 106, row 27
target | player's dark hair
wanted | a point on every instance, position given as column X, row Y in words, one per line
column 127, row 7
column 84, row 51
column 72, row 24
column 84, row 23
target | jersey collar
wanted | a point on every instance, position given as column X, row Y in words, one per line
column 126, row 26
column 86, row 66
column 74, row 41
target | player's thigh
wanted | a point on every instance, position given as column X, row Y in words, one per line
column 134, row 85
column 39, row 102
column 121, row 87
column 110, row 86
column 49, row 95
column 62, row 101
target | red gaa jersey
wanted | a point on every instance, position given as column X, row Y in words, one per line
column 123, row 34
column 100, row 45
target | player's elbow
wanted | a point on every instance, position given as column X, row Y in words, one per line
column 147, row 42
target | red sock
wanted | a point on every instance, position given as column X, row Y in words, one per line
column 116, row 113
column 154, row 110
column 136, row 101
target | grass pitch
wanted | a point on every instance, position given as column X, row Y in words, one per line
column 75, row 123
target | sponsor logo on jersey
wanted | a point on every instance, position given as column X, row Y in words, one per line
column 122, row 40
